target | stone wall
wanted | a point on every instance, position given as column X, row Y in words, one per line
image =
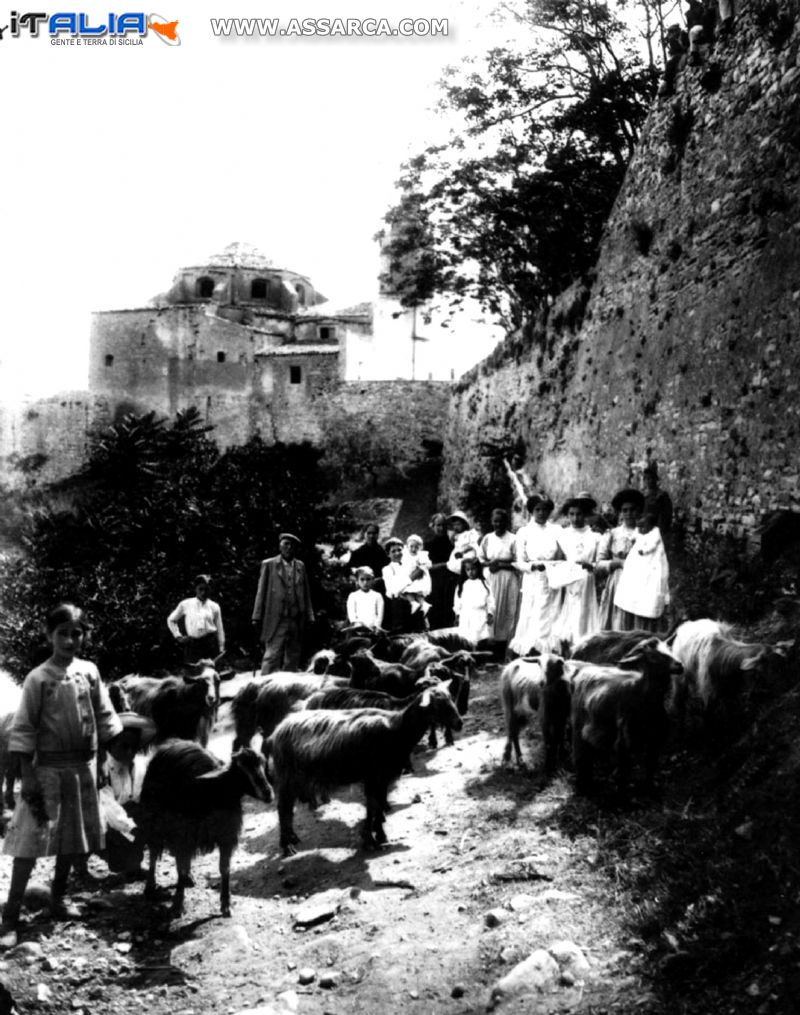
column 55, row 428
column 685, row 350
column 400, row 413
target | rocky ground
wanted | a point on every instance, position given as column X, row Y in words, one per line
column 494, row 891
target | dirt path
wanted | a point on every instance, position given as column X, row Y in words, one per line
column 410, row 934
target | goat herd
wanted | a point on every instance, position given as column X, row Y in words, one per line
column 359, row 710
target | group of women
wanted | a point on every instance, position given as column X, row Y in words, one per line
column 542, row 588
column 561, row 565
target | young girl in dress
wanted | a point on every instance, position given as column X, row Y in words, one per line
column 64, row 714
column 474, row 603
column 642, row 594
column 365, row 606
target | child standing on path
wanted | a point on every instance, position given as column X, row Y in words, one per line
column 365, row 606
column 65, row 711
column 474, row 603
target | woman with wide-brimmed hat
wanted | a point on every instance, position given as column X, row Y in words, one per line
column 578, row 615
column 614, row 548
column 537, row 544
column 466, row 539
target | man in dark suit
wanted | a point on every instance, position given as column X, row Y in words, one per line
column 282, row 607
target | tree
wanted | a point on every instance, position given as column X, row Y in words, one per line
column 157, row 503
column 510, row 210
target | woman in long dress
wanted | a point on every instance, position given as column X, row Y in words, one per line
column 537, row 543
column 443, row 583
column 497, row 553
column 579, row 614
column 614, row 548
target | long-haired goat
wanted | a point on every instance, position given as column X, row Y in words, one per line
column 317, row 750
column 608, row 648
column 182, row 707
column 722, row 671
column 191, row 803
column 451, row 639
column 617, row 710
column 536, row 685
column 264, row 702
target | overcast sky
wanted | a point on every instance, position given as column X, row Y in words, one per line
column 122, row 164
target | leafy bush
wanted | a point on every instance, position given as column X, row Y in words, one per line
column 714, row 575
column 156, row 503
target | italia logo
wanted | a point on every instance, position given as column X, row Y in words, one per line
column 167, row 31
column 82, row 26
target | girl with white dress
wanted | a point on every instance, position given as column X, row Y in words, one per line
column 579, row 614
column 642, row 594
column 612, row 552
column 418, row 564
column 474, row 603
column 537, row 543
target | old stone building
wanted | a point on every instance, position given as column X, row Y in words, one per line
column 256, row 349
column 252, row 346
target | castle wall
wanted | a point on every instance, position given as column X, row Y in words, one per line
column 686, row 350
column 55, row 428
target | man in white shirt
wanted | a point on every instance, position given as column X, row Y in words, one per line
column 204, row 636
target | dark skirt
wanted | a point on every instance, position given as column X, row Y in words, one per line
column 443, row 590
column 204, row 647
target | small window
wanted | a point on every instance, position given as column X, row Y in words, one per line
column 327, row 331
column 205, row 288
column 258, row 289
column 220, row 357
column 109, row 360
column 295, row 375
column 301, row 294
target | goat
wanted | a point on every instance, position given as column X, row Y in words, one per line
column 328, row 660
column 536, row 685
column 451, row 639
column 263, row 703
column 183, row 707
column 720, row 670
column 317, row 750
column 606, row 648
column 458, row 684
column 420, row 653
column 374, row 674
column 350, row 697
column 191, row 803
column 392, row 648
column 621, row 709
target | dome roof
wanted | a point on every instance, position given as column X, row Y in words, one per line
column 240, row 255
